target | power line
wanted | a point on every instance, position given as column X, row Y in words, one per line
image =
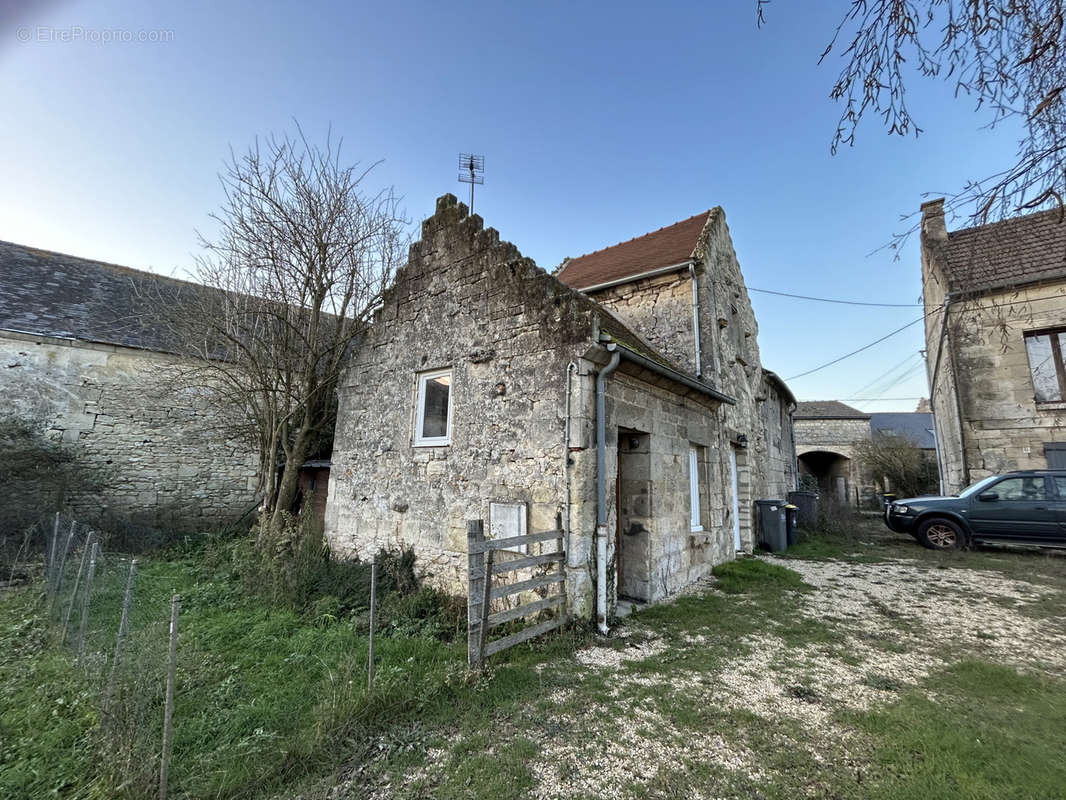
column 886, row 373
column 828, row 300
column 878, row 399
column 864, row 347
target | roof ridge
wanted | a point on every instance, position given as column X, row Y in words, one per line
column 122, row 268
column 1000, row 222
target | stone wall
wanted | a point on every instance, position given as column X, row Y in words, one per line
column 161, row 459
column 780, row 446
column 660, row 310
column 1004, row 427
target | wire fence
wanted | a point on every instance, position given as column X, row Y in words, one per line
column 122, row 631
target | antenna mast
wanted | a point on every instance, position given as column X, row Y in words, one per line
column 471, row 170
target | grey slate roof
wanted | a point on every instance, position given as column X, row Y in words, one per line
column 1014, row 252
column 51, row 294
column 827, row 409
column 913, row 425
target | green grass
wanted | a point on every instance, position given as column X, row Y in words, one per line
column 990, row 734
column 748, row 574
column 267, row 698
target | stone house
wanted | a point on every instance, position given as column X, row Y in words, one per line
column 81, row 360
column 995, row 332
column 636, row 417
column 826, row 434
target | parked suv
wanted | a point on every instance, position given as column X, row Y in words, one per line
column 1025, row 507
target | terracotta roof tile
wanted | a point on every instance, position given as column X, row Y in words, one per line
column 827, row 409
column 1014, row 252
column 665, row 247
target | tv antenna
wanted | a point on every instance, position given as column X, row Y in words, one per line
column 471, row 170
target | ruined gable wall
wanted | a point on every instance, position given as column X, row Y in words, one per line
column 160, row 457
column 1005, row 427
column 507, row 330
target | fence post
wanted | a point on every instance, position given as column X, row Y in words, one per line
column 24, row 547
column 77, row 585
column 52, row 546
column 123, row 625
column 486, row 594
column 62, row 567
column 373, row 611
column 475, row 573
column 168, row 709
column 88, row 599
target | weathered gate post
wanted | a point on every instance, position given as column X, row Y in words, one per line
column 475, row 572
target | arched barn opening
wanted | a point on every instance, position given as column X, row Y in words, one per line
column 831, row 470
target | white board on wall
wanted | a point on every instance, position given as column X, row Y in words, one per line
column 507, row 520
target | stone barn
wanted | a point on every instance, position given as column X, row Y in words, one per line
column 488, row 388
column 82, row 361
column 826, row 432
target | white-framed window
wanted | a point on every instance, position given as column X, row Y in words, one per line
column 694, row 487
column 433, row 420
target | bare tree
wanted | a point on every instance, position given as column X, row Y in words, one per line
column 1008, row 55
column 287, row 284
column 898, row 463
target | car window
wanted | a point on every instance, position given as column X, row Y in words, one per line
column 1060, row 484
column 1028, row 488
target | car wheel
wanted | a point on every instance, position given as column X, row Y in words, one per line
column 941, row 534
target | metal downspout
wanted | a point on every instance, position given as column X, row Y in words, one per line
column 696, row 319
column 958, row 400
column 566, row 463
column 601, row 486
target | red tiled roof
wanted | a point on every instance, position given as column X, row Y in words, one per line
column 665, row 247
column 1013, row 252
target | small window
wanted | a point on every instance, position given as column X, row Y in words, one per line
column 433, row 425
column 1020, row 489
column 1046, row 364
column 694, row 487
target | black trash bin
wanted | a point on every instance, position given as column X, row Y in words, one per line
column 773, row 531
column 807, row 504
column 791, row 522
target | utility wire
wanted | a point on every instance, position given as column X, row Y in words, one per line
column 864, row 347
column 885, row 374
column 841, row 302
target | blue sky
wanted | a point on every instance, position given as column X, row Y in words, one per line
column 598, row 122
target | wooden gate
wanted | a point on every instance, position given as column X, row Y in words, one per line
column 483, row 587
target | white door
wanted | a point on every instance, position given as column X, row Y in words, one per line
column 736, row 498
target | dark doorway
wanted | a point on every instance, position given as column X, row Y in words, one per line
column 633, row 530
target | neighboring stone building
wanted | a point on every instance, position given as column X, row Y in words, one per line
column 826, row 433
column 474, row 395
column 81, row 359
column 995, row 332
